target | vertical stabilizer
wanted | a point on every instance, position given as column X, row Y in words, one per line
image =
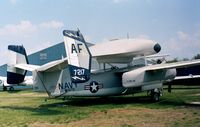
column 17, row 55
column 79, row 56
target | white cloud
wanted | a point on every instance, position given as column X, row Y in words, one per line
column 143, row 36
column 183, row 36
column 52, row 24
column 183, row 45
column 24, row 28
column 118, row 1
column 27, row 28
column 13, row 1
column 33, row 36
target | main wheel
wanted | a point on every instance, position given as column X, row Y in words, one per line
column 11, row 88
column 155, row 96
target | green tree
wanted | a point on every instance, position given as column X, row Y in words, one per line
column 172, row 61
column 197, row 56
column 185, row 59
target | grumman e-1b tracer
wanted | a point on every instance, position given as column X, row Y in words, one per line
column 74, row 76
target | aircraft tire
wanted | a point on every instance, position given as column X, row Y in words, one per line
column 155, row 96
column 11, row 88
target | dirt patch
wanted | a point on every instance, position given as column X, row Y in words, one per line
column 198, row 94
column 37, row 124
column 137, row 117
column 131, row 117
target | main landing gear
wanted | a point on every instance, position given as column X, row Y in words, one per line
column 155, row 94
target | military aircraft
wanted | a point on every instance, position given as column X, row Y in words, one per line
column 75, row 76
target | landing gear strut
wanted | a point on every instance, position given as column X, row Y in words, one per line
column 4, row 88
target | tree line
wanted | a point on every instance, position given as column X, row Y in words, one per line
column 184, row 59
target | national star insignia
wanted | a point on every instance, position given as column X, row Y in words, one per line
column 94, row 86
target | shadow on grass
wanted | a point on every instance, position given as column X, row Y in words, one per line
column 35, row 111
column 119, row 101
column 15, row 91
column 69, row 106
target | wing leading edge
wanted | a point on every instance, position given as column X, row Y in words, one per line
column 173, row 65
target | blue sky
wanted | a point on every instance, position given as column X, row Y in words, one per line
column 37, row 24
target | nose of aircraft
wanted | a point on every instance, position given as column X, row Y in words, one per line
column 157, row 48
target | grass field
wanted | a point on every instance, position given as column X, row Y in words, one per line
column 26, row 108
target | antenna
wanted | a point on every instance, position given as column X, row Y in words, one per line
column 78, row 29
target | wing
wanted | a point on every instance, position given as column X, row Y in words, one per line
column 154, row 73
column 173, row 65
column 187, row 77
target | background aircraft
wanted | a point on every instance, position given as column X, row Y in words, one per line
column 72, row 76
column 26, row 84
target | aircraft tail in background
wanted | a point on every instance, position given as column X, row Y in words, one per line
column 17, row 55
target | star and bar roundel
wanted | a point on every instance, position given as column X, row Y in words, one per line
column 93, row 86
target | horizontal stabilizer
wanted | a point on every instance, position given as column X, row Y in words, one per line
column 27, row 67
column 49, row 67
column 54, row 66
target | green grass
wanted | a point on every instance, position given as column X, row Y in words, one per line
column 25, row 107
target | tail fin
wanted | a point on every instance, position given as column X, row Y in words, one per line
column 79, row 56
column 17, row 56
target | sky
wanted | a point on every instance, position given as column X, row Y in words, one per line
column 38, row 24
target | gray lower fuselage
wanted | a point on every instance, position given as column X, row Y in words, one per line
column 102, row 83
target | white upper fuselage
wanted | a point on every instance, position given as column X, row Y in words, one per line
column 123, row 50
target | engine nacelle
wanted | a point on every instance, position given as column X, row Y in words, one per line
column 140, row 76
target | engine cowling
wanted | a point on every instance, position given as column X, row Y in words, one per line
column 140, row 76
